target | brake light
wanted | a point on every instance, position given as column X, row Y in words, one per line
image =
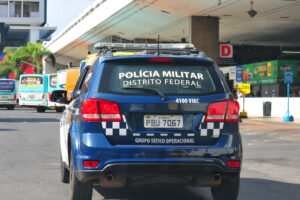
column 216, row 111
column 100, row 110
column 90, row 163
column 234, row 164
column 233, row 111
column 15, row 97
column 49, row 96
column 161, row 60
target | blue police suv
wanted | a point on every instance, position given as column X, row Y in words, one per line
column 141, row 115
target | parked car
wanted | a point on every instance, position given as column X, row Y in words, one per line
column 151, row 118
column 8, row 94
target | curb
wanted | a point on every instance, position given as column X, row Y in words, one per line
column 289, row 124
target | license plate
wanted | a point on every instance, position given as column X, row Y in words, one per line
column 163, row 121
column 31, row 97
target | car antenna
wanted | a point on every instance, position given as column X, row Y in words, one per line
column 158, row 53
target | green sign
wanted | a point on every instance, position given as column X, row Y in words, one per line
column 270, row 72
column 289, row 65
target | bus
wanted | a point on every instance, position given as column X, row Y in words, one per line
column 52, row 86
column 8, row 93
column 33, row 91
column 61, row 79
column 71, row 80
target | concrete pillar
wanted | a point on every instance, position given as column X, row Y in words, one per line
column 48, row 68
column 204, row 35
column 34, row 35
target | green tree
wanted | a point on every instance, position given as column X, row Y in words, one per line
column 30, row 54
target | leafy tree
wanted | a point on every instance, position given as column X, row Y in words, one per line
column 30, row 54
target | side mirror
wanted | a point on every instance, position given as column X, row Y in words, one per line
column 75, row 94
column 59, row 96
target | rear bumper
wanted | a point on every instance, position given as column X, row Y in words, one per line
column 147, row 160
column 31, row 103
column 54, row 104
column 10, row 103
column 206, row 168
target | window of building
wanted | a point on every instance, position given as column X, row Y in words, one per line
column 3, row 9
column 18, row 9
column 26, row 9
column 35, row 7
column 31, row 9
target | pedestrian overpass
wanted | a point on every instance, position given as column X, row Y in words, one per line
column 204, row 23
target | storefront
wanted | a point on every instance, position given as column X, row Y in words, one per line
column 267, row 78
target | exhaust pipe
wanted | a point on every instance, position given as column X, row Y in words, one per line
column 208, row 180
column 111, row 181
column 217, row 177
column 109, row 177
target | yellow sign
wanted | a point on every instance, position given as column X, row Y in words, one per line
column 244, row 88
column 269, row 69
column 90, row 59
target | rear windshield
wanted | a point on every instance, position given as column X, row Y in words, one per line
column 171, row 79
column 53, row 81
column 7, row 85
column 32, row 81
column 61, row 79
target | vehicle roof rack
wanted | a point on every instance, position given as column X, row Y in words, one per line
column 163, row 48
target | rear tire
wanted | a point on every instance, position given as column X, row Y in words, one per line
column 64, row 172
column 79, row 190
column 59, row 109
column 229, row 188
column 41, row 109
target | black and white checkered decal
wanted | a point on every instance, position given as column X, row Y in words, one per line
column 210, row 129
column 206, row 129
column 116, row 128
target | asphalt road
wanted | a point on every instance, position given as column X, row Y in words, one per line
column 29, row 161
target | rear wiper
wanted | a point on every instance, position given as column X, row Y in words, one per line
column 160, row 93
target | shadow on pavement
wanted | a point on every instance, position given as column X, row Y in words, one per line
column 29, row 120
column 250, row 189
column 262, row 189
column 150, row 193
column 5, row 129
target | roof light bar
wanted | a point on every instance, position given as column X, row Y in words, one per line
column 144, row 46
column 165, row 48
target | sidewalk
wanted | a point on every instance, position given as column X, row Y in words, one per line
column 275, row 121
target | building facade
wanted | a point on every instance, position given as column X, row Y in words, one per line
column 24, row 21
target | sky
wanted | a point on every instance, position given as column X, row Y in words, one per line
column 61, row 12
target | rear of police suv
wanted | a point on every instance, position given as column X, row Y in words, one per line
column 160, row 118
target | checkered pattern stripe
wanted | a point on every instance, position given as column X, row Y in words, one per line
column 116, row 128
column 210, row 129
column 175, row 135
column 206, row 129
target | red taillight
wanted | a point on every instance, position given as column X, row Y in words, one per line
column 90, row 163
column 100, row 110
column 15, row 97
column 216, row 111
column 49, row 96
column 234, row 164
column 233, row 111
column 161, row 60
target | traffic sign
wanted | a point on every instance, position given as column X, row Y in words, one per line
column 288, row 77
column 244, row 88
column 226, row 51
